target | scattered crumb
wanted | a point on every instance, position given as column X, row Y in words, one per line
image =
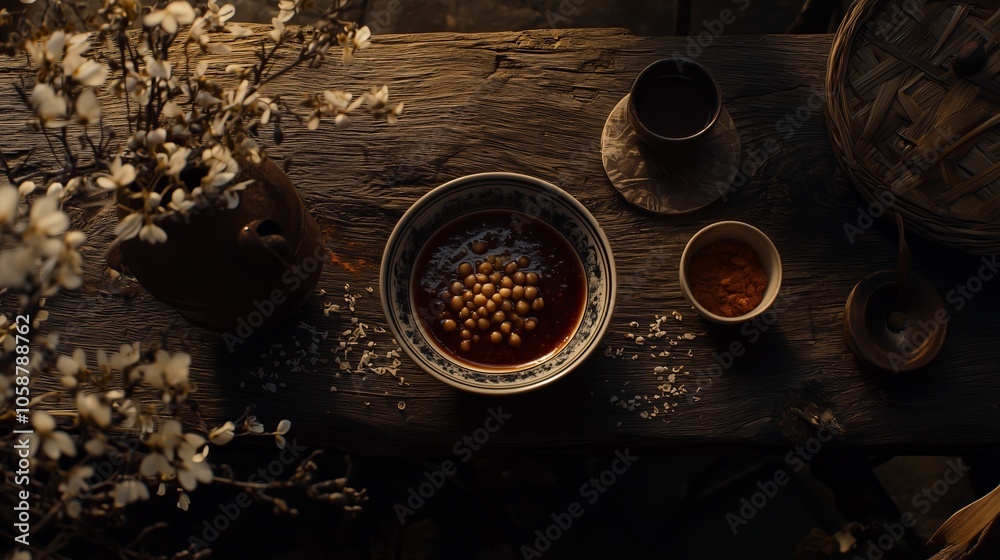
column 670, row 390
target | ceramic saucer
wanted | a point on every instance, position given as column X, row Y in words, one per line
column 669, row 184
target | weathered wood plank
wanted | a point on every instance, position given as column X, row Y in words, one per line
column 535, row 103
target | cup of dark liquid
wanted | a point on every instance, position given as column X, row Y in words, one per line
column 674, row 104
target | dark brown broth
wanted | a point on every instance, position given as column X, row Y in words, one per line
column 561, row 283
column 674, row 107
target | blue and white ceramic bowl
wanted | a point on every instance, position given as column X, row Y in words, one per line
column 491, row 191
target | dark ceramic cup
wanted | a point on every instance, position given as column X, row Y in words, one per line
column 674, row 104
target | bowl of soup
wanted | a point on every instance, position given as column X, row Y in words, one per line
column 498, row 283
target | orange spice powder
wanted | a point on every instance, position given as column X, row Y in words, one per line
column 727, row 278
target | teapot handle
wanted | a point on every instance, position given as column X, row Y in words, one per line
column 263, row 247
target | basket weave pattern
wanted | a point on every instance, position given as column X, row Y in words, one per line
column 911, row 132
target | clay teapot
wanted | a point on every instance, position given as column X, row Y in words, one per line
column 240, row 269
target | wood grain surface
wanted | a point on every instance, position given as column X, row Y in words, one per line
column 535, row 102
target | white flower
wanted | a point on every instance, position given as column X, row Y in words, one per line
column 223, row 14
column 205, row 99
column 240, row 96
column 172, row 110
column 44, row 53
column 266, row 106
column 50, row 106
column 83, row 71
column 24, row 189
column 74, row 481
column 198, row 33
column 46, row 218
column 69, row 268
column 93, row 410
column 219, row 154
column 238, row 30
column 169, row 374
column 55, row 190
column 96, row 446
column 129, row 226
column 338, row 100
column 125, row 357
column 254, row 426
column 278, row 30
column 159, row 69
column 73, row 368
column 354, row 40
column 88, row 109
column 176, row 162
column 178, row 12
column 104, row 366
column 53, row 443
column 9, row 200
column 283, row 427
column 16, row 264
column 378, row 104
column 169, row 445
column 122, row 175
column 361, row 38
column 127, row 409
column 279, row 434
column 183, row 501
column 152, row 201
column 155, row 138
column 152, row 233
column 194, row 468
column 157, row 464
column 163, row 445
column 216, row 177
column 180, row 202
column 130, row 491
column 223, row 434
column 90, row 73
column 230, row 195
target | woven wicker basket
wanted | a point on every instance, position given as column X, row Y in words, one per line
column 915, row 124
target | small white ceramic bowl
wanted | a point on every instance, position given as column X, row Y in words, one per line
column 761, row 245
column 490, row 191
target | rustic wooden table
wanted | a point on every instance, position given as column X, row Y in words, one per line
column 535, row 103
